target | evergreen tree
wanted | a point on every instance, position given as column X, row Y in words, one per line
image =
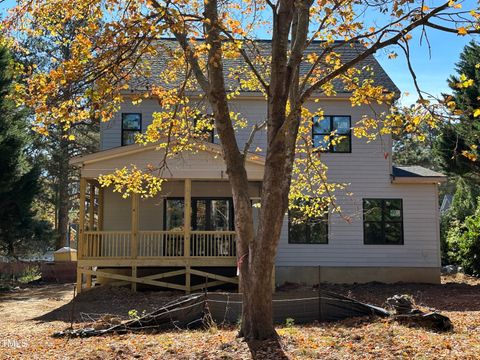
column 20, row 231
column 408, row 149
column 464, row 201
column 458, row 136
column 58, row 197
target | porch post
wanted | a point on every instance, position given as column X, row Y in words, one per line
column 187, row 229
column 101, row 198
column 91, row 226
column 91, row 208
column 81, row 229
column 134, row 237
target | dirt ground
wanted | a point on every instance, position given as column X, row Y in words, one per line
column 30, row 315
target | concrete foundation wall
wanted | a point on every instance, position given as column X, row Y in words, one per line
column 312, row 275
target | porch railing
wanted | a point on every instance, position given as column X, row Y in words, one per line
column 118, row 244
column 212, row 243
column 160, row 243
column 111, row 244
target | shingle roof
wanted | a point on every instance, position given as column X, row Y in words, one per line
column 415, row 171
column 262, row 48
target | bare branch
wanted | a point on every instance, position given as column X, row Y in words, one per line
column 256, row 128
column 370, row 51
column 450, row 30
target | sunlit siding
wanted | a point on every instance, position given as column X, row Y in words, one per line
column 367, row 170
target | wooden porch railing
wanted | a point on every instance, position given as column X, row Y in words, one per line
column 160, row 243
column 151, row 244
column 108, row 244
column 212, row 243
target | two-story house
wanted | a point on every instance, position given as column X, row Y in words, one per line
column 184, row 238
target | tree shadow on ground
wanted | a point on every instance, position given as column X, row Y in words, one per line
column 102, row 300
column 267, row 349
column 37, row 292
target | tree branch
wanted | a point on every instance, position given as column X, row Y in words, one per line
column 256, row 128
column 450, row 30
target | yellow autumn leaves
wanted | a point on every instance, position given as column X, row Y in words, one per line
column 132, row 180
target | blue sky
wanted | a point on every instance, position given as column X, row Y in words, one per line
column 432, row 69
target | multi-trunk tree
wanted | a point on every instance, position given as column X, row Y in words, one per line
column 111, row 54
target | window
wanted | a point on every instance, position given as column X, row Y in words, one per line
column 311, row 231
column 174, row 210
column 208, row 214
column 382, row 221
column 131, row 125
column 332, row 134
column 204, row 126
column 212, row 214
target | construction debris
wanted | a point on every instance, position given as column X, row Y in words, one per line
column 407, row 312
column 205, row 309
column 199, row 310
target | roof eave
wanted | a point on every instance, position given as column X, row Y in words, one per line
column 418, row 179
column 79, row 161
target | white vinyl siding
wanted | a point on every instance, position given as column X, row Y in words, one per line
column 367, row 171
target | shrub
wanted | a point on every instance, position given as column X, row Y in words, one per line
column 30, row 274
column 464, row 243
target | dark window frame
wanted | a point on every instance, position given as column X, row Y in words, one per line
column 208, row 199
column 383, row 222
column 130, row 130
column 308, row 229
column 330, row 146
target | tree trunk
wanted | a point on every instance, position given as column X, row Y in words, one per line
column 256, row 274
column 257, row 312
column 255, row 253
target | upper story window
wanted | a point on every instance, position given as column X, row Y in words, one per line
column 382, row 221
column 131, row 125
column 332, row 134
column 309, row 231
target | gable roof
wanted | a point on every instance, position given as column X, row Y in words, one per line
column 203, row 162
column 262, row 48
column 137, row 148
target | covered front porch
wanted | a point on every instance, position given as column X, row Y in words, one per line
column 182, row 239
column 186, row 232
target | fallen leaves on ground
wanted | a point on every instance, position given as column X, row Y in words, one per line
column 30, row 316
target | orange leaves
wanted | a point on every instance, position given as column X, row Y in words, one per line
column 462, row 31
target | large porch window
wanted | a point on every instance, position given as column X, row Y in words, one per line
column 208, row 214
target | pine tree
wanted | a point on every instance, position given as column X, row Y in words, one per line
column 20, row 231
column 458, row 136
column 58, row 197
